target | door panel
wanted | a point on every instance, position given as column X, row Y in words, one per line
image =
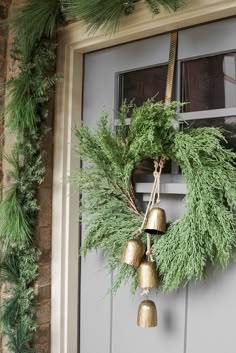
column 212, row 313
column 195, row 319
column 211, row 308
column 168, row 336
column 208, row 39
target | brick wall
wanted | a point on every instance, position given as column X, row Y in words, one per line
column 43, row 241
column 44, row 225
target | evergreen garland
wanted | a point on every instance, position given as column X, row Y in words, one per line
column 111, row 214
column 27, row 93
column 107, row 14
column 33, row 26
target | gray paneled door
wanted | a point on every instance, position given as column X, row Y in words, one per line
column 200, row 317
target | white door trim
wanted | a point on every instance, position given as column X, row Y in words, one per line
column 73, row 42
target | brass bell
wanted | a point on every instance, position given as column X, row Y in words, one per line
column 133, row 252
column 147, row 314
column 156, row 221
column 147, row 275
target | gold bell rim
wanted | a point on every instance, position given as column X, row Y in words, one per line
column 156, row 221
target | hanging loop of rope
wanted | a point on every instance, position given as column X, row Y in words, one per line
column 159, row 165
column 155, row 193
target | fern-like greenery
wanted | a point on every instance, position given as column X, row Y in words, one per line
column 111, row 213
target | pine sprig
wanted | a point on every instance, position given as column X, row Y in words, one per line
column 35, row 20
column 98, row 14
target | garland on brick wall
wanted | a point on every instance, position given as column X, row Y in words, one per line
column 111, row 212
column 34, row 31
column 28, row 91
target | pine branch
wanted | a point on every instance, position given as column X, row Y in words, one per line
column 98, row 14
column 35, row 20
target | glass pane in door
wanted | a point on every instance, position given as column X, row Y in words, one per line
column 143, row 84
column 209, row 82
column 227, row 124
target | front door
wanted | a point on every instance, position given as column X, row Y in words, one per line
column 199, row 318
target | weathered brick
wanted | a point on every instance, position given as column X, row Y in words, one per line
column 45, row 258
column 3, row 12
column 44, row 277
column 43, row 312
column 44, row 238
column 43, row 293
column 45, row 212
column 2, row 68
column 42, row 348
column 42, row 336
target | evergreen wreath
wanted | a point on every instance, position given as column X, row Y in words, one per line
column 110, row 210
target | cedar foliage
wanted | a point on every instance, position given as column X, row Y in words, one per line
column 205, row 233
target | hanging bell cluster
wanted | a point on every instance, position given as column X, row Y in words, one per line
column 154, row 223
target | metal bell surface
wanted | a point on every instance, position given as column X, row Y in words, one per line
column 147, row 275
column 147, row 314
column 156, row 221
column 133, row 252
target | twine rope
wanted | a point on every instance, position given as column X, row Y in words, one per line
column 155, row 193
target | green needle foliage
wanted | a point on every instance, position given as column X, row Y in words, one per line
column 107, row 14
column 36, row 20
column 28, row 92
column 110, row 210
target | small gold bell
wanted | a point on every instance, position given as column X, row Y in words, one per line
column 133, row 252
column 156, row 221
column 147, row 275
column 147, row 314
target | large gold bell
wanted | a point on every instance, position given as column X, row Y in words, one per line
column 156, row 221
column 133, row 252
column 147, row 314
column 147, row 275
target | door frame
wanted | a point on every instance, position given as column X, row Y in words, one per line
column 74, row 42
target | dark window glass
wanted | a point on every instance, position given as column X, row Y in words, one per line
column 228, row 124
column 143, row 84
column 209, row 83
